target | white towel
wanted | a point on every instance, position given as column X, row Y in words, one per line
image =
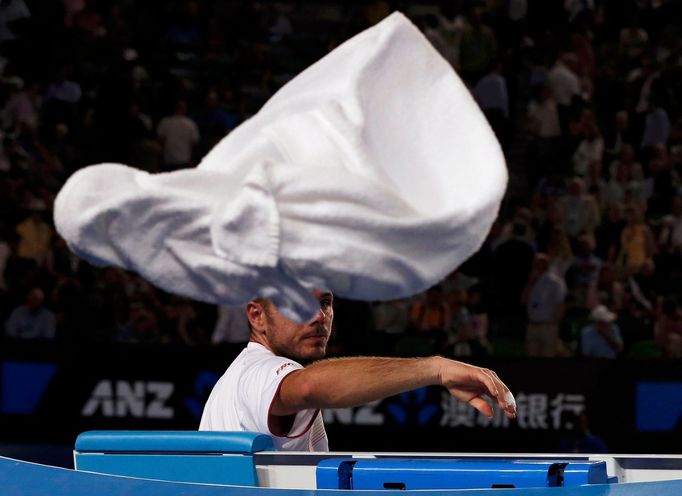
column 372, row 174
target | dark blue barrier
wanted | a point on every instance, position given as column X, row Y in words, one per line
column 49, row 394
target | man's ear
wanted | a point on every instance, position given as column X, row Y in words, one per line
column 255, row 312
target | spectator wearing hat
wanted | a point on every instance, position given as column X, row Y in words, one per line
column 601, row 338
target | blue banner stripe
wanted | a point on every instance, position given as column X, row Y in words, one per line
column 659, row 405
column 23, row 384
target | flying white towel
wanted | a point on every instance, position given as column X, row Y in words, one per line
column 372, row 174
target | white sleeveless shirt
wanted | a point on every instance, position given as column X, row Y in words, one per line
column 241, row 401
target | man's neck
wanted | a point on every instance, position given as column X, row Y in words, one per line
column 261, row 341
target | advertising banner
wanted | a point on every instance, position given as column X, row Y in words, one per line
column 50, row 394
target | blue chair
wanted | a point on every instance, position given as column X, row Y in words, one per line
column 179, row 456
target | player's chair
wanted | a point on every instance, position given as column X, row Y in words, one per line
column 181, row 456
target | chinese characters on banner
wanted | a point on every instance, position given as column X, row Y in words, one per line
column 537, row 411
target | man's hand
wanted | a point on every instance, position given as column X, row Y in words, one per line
column 472, row 384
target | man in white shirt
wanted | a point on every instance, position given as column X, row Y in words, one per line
column 178, row 134
column 253, row 394
column 565, row 85
column 564, row 82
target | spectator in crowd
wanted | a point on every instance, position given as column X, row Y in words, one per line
column 512, row 262
column 674, row 221
column 62, row 99
column 491, row 94
column 64, row 89
column 657, row 188
column 618, row 134
column 642, row 284
column 5, row 252
column 622, row 187
column 544, row 297
column 142, row 327
column 583, row 273
column 430, row 317
column 564, row 84
column 634, row 320
column 642, row 80
column 596, row 186
column 601, row 338
column 467, row 334
column 214, row 120
column 559, row 250
column 34, row 234
column 478, row 45
column 545, row 129
column 580, row 117
column 668, row 257
column 632, row 40
column 607, row 235
column 478, row 322
column 21, row 110
column 31, row 320
column 581, row 210
column 636, row 240
column 280, row 27
column 656, row 123
column 647, row 185
column 674, row 348
column 179, row 134
column 589, row 153
column 522, row 216
column 578, row 438
column 431, row 28
column 623, row 171
column 451, row 23
column 551, row 218
column 457, row 280
column 668, row 328
column 609, row 290
column 183, row 322
column 138, row 136
column 391, row 318
column 70, row 305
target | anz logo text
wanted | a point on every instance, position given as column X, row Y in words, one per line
column 139, row 399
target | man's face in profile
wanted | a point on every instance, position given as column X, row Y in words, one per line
column 301, row 342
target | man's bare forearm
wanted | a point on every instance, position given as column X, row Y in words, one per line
column 354, row 381
column 348, row 382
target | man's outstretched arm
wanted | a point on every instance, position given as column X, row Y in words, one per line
column 349, row 382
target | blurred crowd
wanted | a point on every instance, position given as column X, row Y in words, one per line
column 585, row 97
